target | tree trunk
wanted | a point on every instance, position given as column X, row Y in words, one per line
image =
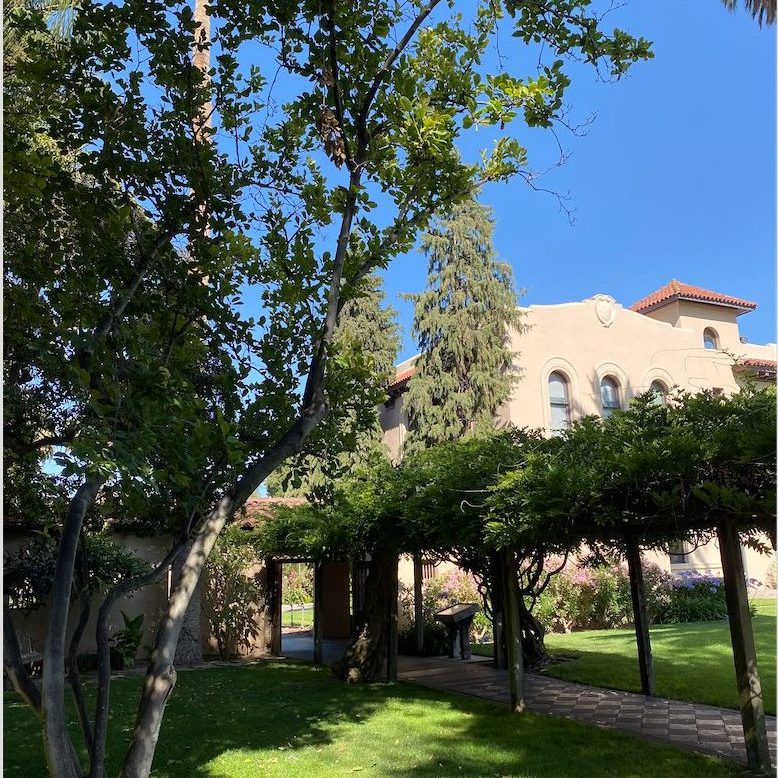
column 74, row 677
column 533, row 633
column 365, row 658
column 60, row 754
column 189, row 650
column 161, row 675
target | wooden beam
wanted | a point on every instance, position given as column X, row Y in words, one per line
column 318, row 598
column 743, row 648
column 640, row 614
column 513, row 631
column 391, row 653
column 418, row 610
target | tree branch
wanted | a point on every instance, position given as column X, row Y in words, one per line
column 336, row 87
column 383, row 72
column 59, row 748
column 74, row 676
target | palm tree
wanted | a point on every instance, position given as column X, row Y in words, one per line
column 762, row 10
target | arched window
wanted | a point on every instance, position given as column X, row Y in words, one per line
column 609, row 395
column 559, row 398
column 710, row 338
column 659, row 390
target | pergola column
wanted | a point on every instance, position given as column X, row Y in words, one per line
column 743, row 648
column 640, row 615
column 513, row 630
column 498, row 610
column 418, row 610
column 273, row 606
column 318, row 599
column 394, row 593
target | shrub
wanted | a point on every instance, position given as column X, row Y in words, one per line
column 297, row 586
column 127, row 641
column 28, row 572
column 582, row 597
column 232, row 596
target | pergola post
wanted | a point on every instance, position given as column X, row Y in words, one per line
column 418, row 610
column 513, row 630
column 640, row 614
column 743, row 648
column 391, row 653
column 318, row 597
column 498, row 609
column 273, row 606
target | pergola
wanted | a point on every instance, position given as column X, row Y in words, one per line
column 635, row 532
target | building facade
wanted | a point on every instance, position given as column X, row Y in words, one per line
column 594, row 356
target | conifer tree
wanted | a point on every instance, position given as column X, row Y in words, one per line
column 462, row 324
column 368, row 335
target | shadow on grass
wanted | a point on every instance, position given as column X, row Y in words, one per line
column 398, row 730
column 296, row 720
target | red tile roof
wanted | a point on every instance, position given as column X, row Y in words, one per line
column 257, row 508
column 401, row 378
column 676, row 290
column 759, row 368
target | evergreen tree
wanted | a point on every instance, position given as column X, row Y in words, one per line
column 367, row 335
column 462, row 324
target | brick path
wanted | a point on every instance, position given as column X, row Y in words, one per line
column 697, row 727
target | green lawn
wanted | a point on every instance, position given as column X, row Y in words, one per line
column 279, row 719
column 691, row 661
column 297, row 618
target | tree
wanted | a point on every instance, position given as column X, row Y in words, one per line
column 351, row 435
column 139, row 219
column 761, row 10
column 463, row 323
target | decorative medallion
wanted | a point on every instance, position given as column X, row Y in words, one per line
column 605, row 308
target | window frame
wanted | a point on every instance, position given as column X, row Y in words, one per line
column 661, row 394
column 710, row 334
column 552, row 403
column 609, row 410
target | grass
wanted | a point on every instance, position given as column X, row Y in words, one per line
column 297, row 619
column 285, row 719
column 692, row 662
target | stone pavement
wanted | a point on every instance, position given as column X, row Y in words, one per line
column 697, row 727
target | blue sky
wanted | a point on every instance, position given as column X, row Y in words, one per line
column 674, row 178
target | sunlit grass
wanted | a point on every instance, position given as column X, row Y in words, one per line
column 277, row 719
column 691, row 661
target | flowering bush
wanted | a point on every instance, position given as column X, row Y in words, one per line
column 696, row 597
column 700, row 597
column 437, row 593
column 582, row 597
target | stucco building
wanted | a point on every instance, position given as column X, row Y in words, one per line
column 593, row 356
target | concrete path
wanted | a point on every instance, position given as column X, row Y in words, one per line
column 697, row 727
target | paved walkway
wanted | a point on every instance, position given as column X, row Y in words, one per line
column 698, row 727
